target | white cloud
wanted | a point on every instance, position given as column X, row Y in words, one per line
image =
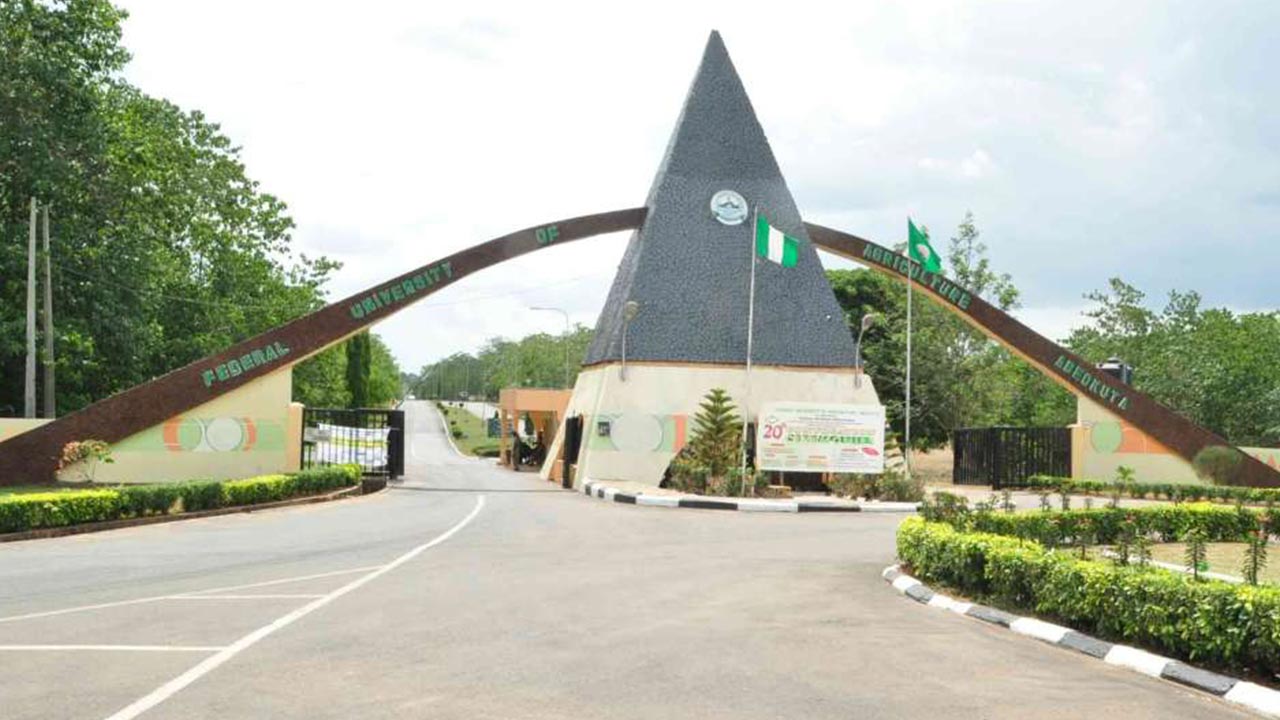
column 1091, row 139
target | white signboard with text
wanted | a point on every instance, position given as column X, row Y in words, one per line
column 820, row 437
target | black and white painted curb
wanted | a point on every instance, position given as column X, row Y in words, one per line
column 1256, row 697
column 604, row 492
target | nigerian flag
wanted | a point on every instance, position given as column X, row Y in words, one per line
column 775, row 245
column 920, row 250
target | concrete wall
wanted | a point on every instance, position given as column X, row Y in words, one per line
column 16, row 426
column 651, row 412
column 1102, row 442
column 253, row 430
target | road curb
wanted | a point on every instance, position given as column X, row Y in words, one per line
column 1255, row 697
column 597, row 489
column 54, row 532
column 444, row 425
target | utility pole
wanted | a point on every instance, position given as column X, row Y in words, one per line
column 50, row 385
column 29, row 389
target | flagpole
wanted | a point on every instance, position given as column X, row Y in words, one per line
column 906, row 448
column 751, row 327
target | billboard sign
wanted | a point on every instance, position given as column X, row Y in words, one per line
column 820, row 437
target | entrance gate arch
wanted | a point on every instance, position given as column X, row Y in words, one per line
column 32, row 456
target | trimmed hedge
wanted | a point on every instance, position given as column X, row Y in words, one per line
column 1104, row 525
column 1231, row 626
column 1177, row 492
column 73, row 507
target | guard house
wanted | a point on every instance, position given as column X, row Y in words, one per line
column 675, row 322
column 544, row 410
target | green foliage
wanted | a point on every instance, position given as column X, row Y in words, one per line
column 536, row 360
column 947, row 353
column 1226, row 625
column 85, row 456
column 717, row 434
column 144, row 500
column 891, row 485
column 1218, row 464
column 40, row 510
column 1196, row 554
column 359, row 369
column 165, row 250
column 320, row 381
column 1255, row 556
column 1212, row 365
column 1105, row 525
column 55, row 509
column 1177, row 492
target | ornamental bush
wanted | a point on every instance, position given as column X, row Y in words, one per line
column 1177, row 492
column 1231, row 626
column 1169, row 522
column 55, row 509
column 72, row 507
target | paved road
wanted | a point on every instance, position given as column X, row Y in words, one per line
column 472, row 592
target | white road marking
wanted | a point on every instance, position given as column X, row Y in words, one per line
column 158, row 598
column 282, row 581
column 169, row 689
column 129, row 648
column 308, row 596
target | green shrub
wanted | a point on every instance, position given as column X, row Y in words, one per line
column 1218, row 464
column 1232, row 626
column 325, row 479
column 256, row 490
column 143, row 500
column 892, row 485
column 56, row 509
column 200, row 495
column 1067, row 527
column 1178, row 492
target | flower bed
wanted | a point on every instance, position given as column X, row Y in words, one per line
column 72, row 507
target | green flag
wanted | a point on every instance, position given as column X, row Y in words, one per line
column 920, row 250
column 773, row 244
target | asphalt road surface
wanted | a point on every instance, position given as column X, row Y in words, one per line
column 473, row 592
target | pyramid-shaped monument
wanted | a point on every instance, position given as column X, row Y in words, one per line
column 690, row 274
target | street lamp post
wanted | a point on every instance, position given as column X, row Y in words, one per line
column 867, row 321
column 629, row 311
column 567, row 332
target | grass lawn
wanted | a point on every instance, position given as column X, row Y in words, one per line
column 474, row 436
column 1225, row 558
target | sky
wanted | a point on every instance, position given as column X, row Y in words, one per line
column 1090, row 139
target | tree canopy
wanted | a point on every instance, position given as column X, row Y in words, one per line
column 164, row 248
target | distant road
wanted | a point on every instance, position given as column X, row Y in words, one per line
column 470, row 591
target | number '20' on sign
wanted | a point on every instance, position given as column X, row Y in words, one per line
column 774, row 431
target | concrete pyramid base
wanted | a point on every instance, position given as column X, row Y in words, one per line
column 632, row 428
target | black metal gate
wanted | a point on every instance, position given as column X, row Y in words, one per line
column 1007, row 456
column 372, row 439
column 572, row 447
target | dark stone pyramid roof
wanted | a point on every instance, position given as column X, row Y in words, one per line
column 691, row 274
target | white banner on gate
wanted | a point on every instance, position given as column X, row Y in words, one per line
column 820, row 437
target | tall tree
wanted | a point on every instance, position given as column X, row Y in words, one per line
column 164, row 249
column 359, row 369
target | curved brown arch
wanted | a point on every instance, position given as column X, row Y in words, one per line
column 33, row 455
column 1066, row 368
